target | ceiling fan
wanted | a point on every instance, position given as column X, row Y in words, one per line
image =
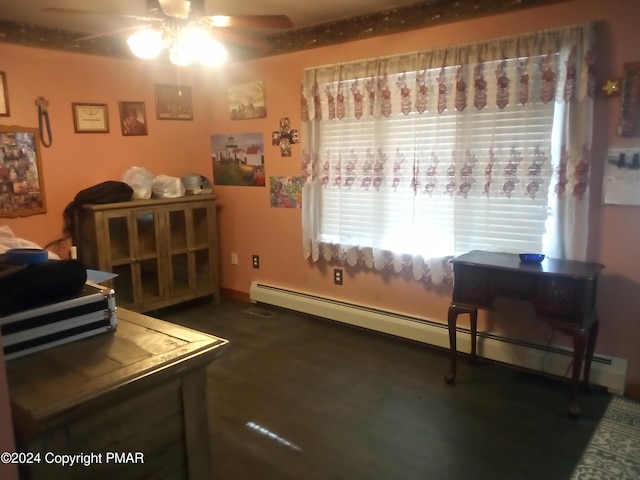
column 172, row 21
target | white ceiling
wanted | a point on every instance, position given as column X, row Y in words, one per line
column 303, row 13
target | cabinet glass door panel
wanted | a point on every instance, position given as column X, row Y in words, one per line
column 178, row 230
column 149, row 280
column 201, row 235
column 179, row 274
column 123, row 284
column 203, row 273
column 118, row 234
column 146, row 224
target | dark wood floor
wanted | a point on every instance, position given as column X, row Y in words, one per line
column 297, row 397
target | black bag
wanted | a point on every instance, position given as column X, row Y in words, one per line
column 39, row 284
column 110, row 191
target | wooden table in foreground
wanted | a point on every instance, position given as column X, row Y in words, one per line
column 139, row 391
column 562, row 292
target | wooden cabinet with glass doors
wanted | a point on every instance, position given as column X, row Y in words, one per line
column 163, row 250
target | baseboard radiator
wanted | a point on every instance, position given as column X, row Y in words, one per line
column 608, row 372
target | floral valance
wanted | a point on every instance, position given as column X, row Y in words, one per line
column 537, row 67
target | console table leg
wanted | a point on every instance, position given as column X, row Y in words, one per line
column 578, row 358
column 452, row 318
column 473, row 316
column 591, row 345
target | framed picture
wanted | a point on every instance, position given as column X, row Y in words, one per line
column 90, row 118
column 173, row 102
column 629, row 108
column 21, row 184
column 238, row 159
column 285, row 137
column 4, row 96
column 133, row 119
column 247, row 100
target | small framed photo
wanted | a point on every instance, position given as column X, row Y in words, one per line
column 90, row 117
column 173, row 102
column 133, row 119
column 4, row 96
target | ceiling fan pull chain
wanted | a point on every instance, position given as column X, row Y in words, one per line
column 179, row 84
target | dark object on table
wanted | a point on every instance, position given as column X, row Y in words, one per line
column 39, row 284
column 531, row 257
column 89, row 312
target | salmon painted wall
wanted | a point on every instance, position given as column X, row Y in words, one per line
column 251, row 227
column 75, row 161
column 248, row 225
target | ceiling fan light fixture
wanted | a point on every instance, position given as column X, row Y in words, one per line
column 203, row 47
column 219, row 20
column 212, row 53
column 180, row 56
column 185, row 44
column 146, row 43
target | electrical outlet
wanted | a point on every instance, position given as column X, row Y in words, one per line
column 255, row 259
column 337, row 276
column 234, row 258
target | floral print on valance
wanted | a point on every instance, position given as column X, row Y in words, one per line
column 527, row 72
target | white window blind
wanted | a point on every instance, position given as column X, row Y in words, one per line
column 421, row 206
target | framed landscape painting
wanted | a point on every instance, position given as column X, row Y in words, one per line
column 238, row 159
column 247, row 100
column 173, row 102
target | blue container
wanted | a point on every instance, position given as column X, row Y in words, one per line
column 531, row 257
column 26, row 256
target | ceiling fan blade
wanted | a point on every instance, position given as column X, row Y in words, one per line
column 225, row 35
column 109, row 33
column 71, row 11
column 175, row 8
column 255, row 21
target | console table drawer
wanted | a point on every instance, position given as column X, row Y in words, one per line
column 557, row 297
column 472, row 285
column 514, row 285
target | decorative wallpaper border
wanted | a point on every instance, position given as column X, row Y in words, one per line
column 412, row 17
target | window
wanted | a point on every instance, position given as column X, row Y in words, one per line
column 406, row 167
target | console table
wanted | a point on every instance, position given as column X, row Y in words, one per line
column 561, row 291
column 138, row 392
